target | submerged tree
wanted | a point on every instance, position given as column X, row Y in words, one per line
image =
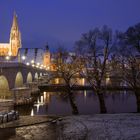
column 68, row 66
column 95, row 47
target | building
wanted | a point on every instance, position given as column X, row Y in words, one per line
column 32, row 56
column 11, row 48
column 48, row 60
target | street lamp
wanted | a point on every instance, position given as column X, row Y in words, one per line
column 23, row 57
column 38, row 64
column 10, row 53
column 27, row 63
column 32, row 61
column 7, row 58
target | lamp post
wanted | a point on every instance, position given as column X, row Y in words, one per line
column 19, row 58
column 7, row 58
column 23, row 58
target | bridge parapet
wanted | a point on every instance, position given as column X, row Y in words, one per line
column 15, row 75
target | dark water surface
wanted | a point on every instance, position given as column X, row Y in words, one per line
column 87, row 102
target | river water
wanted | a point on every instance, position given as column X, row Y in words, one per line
column 50, row 103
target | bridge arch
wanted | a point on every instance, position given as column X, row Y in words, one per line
column 19, row 80
column 36, row 76
column 4, row 87
column 41, row 74
column 29, row 77
column 3, row 83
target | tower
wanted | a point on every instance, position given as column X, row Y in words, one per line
column 15, row 37
column 47, row 58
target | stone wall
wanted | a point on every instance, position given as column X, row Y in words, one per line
column 6, row 105
column 22, row 96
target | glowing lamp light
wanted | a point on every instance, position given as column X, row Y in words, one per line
column 23, row 57
column 48, row 68
column 32, row 61
column 33, row 65
column 7, row 58
column 27, row 63
column 10, row 53
column 38, row 64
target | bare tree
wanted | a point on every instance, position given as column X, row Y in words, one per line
column 132, row 36
column 96, row 45
column 130, row 64
column 69, row 66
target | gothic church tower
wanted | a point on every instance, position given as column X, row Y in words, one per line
column 47, row 58
column 15, row 37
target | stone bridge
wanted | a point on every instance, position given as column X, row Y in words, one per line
column 14, row 75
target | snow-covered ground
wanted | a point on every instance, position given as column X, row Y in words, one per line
column 83, row 127
column 102, row 127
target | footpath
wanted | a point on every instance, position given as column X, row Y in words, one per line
column 82, row 127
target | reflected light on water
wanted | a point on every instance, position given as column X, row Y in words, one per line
column 44, row 94
column 38, row 105
column 85, row 93
column 83, row 81
column 42, row 99
column 32, row 112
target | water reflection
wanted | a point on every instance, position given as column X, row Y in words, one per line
column 32, row 112
column 87, row 102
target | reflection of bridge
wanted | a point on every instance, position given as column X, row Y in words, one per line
column 15, row 75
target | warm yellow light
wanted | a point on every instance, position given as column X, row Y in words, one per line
column 83, row 82
column 107, row 80
column 7, row 58
column 57, row 80
column 48, row 68
column 10, row 53
column 33, row 65
column 85, row 93
column 38, row 64
column 32, row 61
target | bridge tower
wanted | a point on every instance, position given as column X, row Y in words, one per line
column 15, row 37
column 47, row 58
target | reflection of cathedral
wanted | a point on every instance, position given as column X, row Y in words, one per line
column 11, row 48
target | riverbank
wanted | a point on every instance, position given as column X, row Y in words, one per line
column 62, row 87
column 87, row 127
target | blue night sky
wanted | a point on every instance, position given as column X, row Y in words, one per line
column 63, row 21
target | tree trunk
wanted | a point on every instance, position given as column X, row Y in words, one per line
column 137, row 94
column 102, row 102
column 72, row 103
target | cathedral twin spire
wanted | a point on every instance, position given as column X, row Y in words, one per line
column 15, row 23
column 15, row 37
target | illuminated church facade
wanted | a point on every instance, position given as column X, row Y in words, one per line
column 14, row 51
column 11, row 48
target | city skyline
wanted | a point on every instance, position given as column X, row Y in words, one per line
column 64, row 22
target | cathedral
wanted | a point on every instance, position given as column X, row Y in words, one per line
column 11, row 48
column 14, row 51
